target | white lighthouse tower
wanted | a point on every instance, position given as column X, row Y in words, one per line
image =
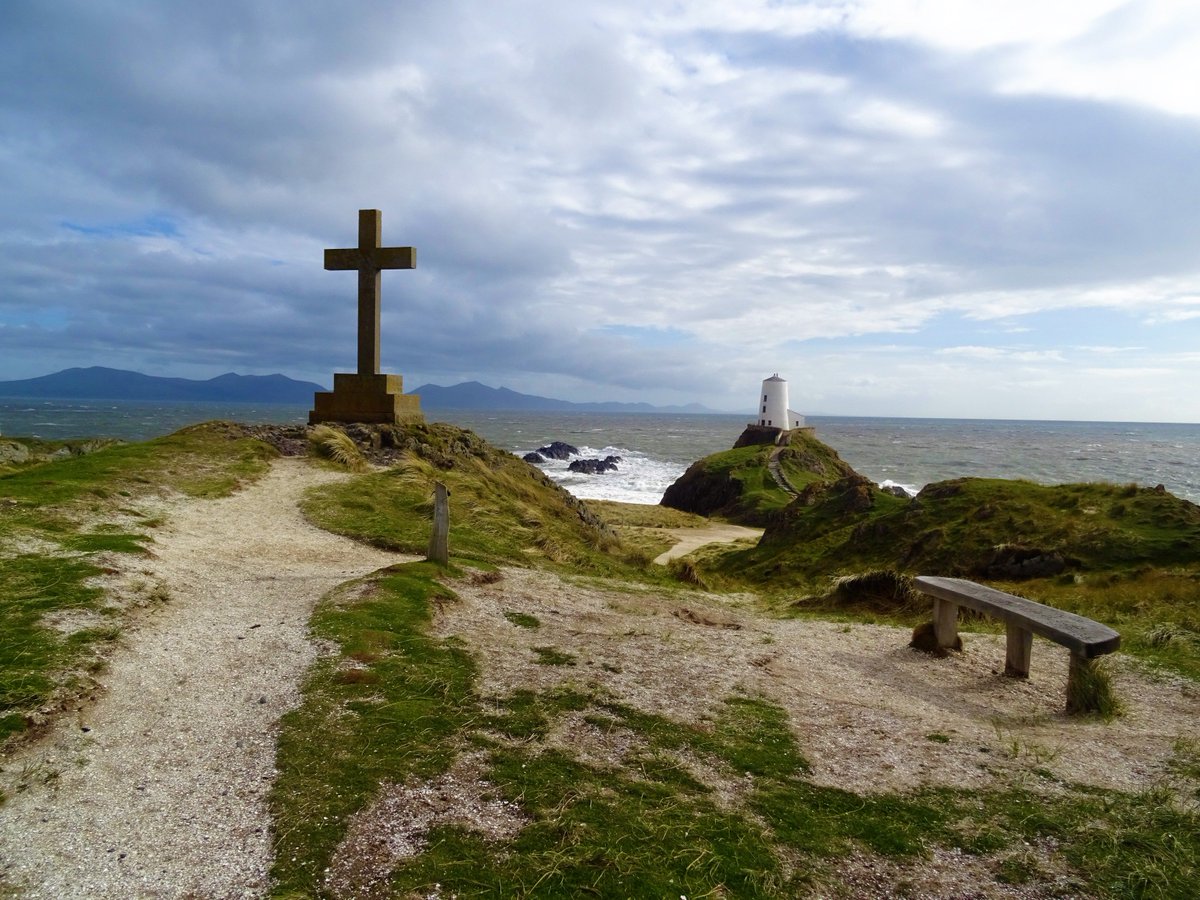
column 773, row 409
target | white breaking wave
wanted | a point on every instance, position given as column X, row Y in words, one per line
column 909, row 489
column 639, row 478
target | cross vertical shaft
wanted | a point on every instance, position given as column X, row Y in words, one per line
column 369, row 258
column 370, row 233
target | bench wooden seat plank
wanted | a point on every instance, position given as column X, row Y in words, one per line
column 1085, row 638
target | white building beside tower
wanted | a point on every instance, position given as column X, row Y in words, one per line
column 773, row 410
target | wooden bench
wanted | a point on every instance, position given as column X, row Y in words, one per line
column 1085, row 638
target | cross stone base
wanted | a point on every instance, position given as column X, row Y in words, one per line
column 378, row 399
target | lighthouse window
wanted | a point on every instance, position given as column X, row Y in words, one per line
column 764, row 407
column 764, row 398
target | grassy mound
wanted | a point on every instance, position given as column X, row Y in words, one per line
column 977, row 528
column 502, row 510
column 737, row 484
column 19, row 453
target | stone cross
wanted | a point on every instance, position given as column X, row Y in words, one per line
column 369, row 259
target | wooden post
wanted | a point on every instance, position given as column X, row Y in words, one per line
column 439, row 540
column 1020, row 649
column 945, row 623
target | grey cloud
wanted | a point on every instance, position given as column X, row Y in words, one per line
column 552, row 181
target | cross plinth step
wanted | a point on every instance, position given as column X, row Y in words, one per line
column 366, row 398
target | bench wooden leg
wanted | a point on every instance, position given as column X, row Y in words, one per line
column 1020, row 648
column 945, row 624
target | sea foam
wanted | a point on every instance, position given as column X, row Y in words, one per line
column 638, row 479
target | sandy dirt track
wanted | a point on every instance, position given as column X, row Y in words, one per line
column 158, row 789
column 690, row 539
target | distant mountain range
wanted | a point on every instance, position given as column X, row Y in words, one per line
column 473, row 395
column 99, row 383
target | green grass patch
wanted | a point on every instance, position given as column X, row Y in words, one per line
column 207, row 460
column 106, row 543
column 1121, row 845
column 827, row 822
column 600, row 834
column 32, row 652
column 350, row 735
column 644, row 515
column 25, row 452
column 552, row 656
column 528, row 714
column 522, row 620
column 979, row 528
column 750, row 736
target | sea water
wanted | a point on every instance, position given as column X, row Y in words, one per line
column 657, row 448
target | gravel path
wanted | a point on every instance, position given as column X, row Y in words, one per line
column 159, row 788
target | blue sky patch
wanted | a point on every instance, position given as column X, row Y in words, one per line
column 149, row 226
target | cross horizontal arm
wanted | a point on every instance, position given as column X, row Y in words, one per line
column 339, row 260
column 396, row 258
column 381, row 258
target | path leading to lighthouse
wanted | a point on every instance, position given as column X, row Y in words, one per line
column 690, row 539
column 776, row 471
column 159, row 788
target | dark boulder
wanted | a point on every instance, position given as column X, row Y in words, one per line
column 758, row 434
column 703, row 490
column 594, row 466
column 534, row 457
column 1016, row 563
column 558, row 450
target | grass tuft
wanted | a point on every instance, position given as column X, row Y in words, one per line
column 335, row 445
column 1090, row 690
column 877, row 590
column 688, row 572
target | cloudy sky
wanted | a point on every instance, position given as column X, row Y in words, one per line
column 906, row 207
